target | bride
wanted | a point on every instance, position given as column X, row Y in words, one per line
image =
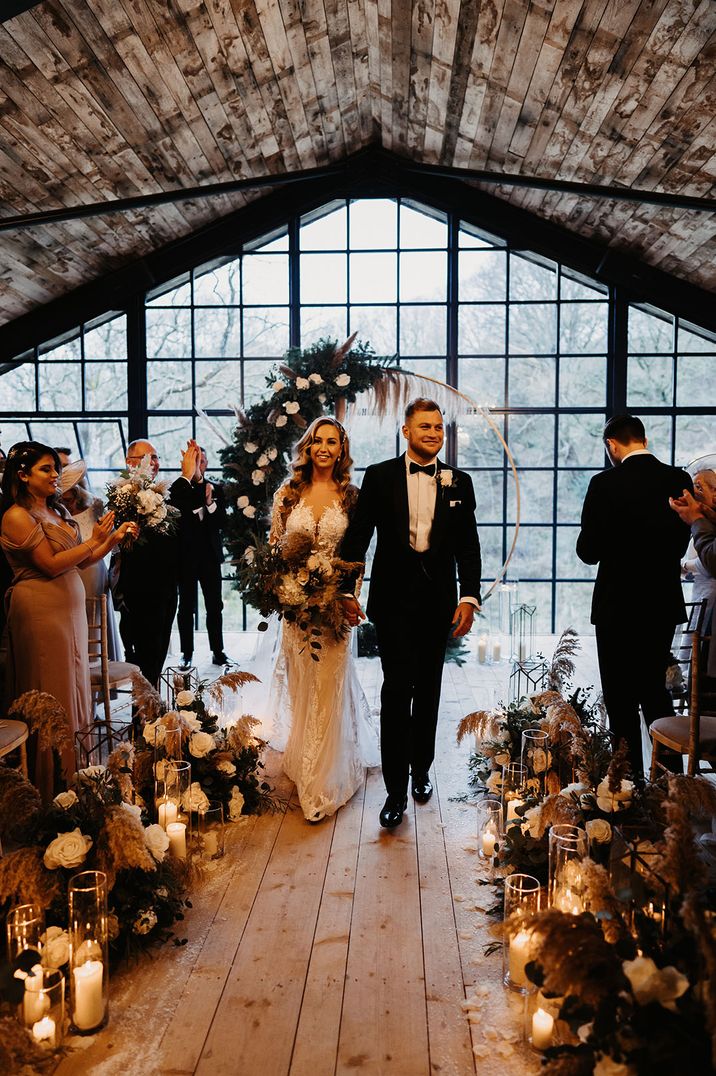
column 317, row 712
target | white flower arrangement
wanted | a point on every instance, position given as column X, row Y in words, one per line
column 67, row 850
column 614, row 801
column 137, row 497
column 201, row 743
column 598, row 830
column 446, row 477
column 185, row 698
column 650, row 983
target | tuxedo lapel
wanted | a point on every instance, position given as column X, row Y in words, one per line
column 400, row 495
column 440, row 515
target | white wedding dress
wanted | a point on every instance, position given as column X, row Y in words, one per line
column 313, row 711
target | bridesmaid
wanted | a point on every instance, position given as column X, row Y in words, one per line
column 46, row 616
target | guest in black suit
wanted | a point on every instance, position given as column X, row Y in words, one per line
column 630, row 531
column 203, row 517
column 424, row 516
column 145, row 578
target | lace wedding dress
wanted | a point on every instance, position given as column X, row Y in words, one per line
column 314, row 711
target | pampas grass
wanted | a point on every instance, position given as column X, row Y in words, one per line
column 146, row 698
column 481, row 723
column 619, row 767
column 232, row 681
column 558, row 810
column 681, row 867
column 20, row 804
column 24, row 879
column 240, row 735
column 122, row 845
column 561, row 669
column 120, row 765
column 602, row 901
column 697, row 795
column 45, row 716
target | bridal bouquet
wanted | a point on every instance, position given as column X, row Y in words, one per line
column 136, row 497
column 299, row 583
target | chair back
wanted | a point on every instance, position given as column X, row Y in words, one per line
column 682, row 650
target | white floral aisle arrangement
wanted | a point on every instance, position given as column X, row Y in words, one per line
column 135, row 496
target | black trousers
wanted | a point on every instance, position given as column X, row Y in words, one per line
column 632, row 666
column 145, row 624
column 411, row 644
column 206, row 572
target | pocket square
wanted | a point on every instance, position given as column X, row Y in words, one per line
column 455, row 504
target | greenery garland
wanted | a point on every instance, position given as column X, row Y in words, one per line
column 307, row 384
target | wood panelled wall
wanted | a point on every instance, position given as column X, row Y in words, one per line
column 111, row 98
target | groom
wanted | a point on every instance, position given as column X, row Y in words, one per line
column 424, row 515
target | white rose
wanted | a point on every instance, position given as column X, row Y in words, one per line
column 147, row 501
column 159, row 513
column 236, row 804
column 55, row 947
column 650, row 983
column 145, row 922
column 196, row 799
column 67, row 850
column 133, row 809
column 303, row 383
column 160, row 769
column 263, row 460
column 272, row 453
column 250, row 511
column 292, row 407
column 316, row 379
column 342, row 380
column 155, row 733
column 502, row 758
column 185, row 698
column 258, row 476
column 614, row 801
column 189, row 721
column 242, row 501
column 157, row 842
column 227, row 767
column 278, row 385
column 494, row 781
column 200, row 744
column 281, row 420
column 65, row 799
column 250, row 447
column 532, row 821
column 539, row 760
column 576, row 788
column 598, row 830
column 88, row 775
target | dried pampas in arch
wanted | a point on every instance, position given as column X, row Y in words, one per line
column 146, row 698
column 484, row 724
column 45, row 716
column 561, row 668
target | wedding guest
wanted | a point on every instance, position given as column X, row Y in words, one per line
column 47, row 621
column 203, row 516
column 630, row 532
column 701, row 517
column 704, row 584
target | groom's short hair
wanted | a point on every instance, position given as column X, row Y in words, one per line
column 421, row 404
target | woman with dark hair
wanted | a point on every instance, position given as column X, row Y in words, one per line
column 46, row 617
column 320, row 715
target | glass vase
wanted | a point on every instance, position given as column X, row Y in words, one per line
column 568, row 846
column 522, row 895
column 514, row 791
column 210, row 831
column 534, row 755
column 171, row 791
column 89, row 958
column 24, row 927
column 489, row 827
column 43, row 1007
column 522, row 632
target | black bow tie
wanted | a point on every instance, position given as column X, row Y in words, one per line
column 430, row 469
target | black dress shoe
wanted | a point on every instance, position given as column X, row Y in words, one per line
column 185, row 662
column 422, row 789
column 220, row 659
column 392, row 813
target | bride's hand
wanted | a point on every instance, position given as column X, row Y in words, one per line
column 352, row 611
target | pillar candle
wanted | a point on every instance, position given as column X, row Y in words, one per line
column 519, row 956
column 35, row 1002
column 512, row 806
column 88, row 1008
column 44, row 1031
column 496, row 651
column 482, row 649
column 542, row 1030
column 167, row 813
column 489, row 840
column 176, row 832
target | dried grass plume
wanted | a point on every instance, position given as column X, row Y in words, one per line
column 45, row 716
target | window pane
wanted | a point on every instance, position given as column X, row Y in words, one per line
column 373, row 278
column 323, row 322
column 533, row 328
column 694, row 437
column 481, row 330
column 323, row 278
column 106, row 386
column 423, row 330
column 470, row 236
column 70, row 351
column 571, row 491
column 169, row 434
column 569, row 566
column 377, row 325
column 60, row 386
column 491, row 548
column 180, row 296
column 211, row 441
column 483, row 380
column 419, row 229
column 539, row 595
column 696, row 340
column 532, row 558
column 107, row 341
column 536, row 496
column 481, row 275
column 488, row 487
column 265, row 278
column 168, row 334
column 218, row 332
column 530, row 280
column 17, row 393
column 659, row 431
column 423, row 277
column 647, row 332
column 650, row 380
column 693, row 374
column 102, row 446
column 580, row 441
column 477, row 444
column 54, row 432
column 255, row 374
column 532, row 381
column 571, row 288
column 531, row 440
column 220, row 287
column 266, row 331
column 218, row 384
column 169, row 385
column 372, row 440
column 436, row 368
column 325, row 233
column 12, row 432
column 583, row 327
column 574, row 602
column 582, row 381
column 373, row 224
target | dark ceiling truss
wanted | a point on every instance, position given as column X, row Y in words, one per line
column 370, row 173
column 10, row 9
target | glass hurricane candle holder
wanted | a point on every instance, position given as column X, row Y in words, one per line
column 514, row 791
column 484, row 646
column 522, row 632
column 542, row 1024
column 210, row 831
column 171, row 790
column 489, row 826
column 568, row 846
column 24, row 927
column 522, row 894
column 535, row 756
column 89, row 958
column 43, row 1006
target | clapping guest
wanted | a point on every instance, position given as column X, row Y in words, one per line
column 701, row 517
column 704, row 584
column 47, row 621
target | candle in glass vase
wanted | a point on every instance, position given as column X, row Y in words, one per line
column 519, row 957
column 167, row 813
column 211, row 844
column 482, row 649
column 542, row 1030
column 44, row 1031
column 512, row 806
column 496, row 651
column 35, row 1002
column 176, row 832
column 489, row 840
column 88, row 1009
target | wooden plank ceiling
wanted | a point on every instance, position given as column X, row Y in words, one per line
column 102, row 99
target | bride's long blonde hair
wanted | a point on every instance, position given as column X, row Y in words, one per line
column 302, row 467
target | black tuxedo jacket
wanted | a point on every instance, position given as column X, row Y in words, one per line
column 199, row 538
column 637, row 540
column 383, row 507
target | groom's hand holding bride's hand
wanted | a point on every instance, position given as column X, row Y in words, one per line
column 464, row 616
column 352, row 611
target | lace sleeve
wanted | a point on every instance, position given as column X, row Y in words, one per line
column 278, row 518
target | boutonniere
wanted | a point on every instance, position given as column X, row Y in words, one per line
column 446, row 477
